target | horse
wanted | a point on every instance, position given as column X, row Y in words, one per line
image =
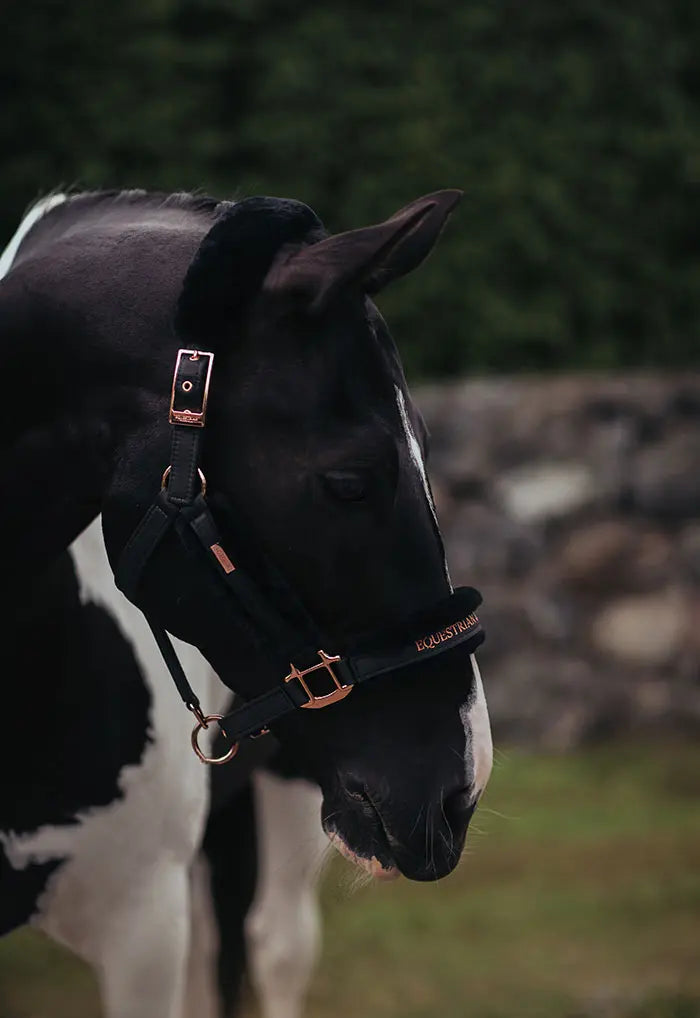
column 299, row 518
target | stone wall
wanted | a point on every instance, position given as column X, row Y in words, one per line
column 573, row 504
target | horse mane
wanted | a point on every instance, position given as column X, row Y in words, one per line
column 191, row 201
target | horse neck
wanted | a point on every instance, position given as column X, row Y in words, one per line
column 85, row 366
column 58, row 458
column 56, row 475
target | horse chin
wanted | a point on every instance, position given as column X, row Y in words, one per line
column 373, row 866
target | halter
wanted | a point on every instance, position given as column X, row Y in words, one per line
column 317, row 679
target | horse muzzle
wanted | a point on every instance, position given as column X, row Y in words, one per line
column 423, row 845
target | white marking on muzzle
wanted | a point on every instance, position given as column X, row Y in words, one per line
column 477, row 729
column 373, row 867
column 32, row 217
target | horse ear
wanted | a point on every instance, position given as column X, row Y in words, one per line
column 368, row 258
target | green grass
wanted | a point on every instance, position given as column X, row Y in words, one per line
column 578, row 897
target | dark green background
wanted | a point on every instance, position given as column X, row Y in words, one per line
column 573, row 129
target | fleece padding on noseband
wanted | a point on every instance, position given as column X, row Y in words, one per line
column 444, row 626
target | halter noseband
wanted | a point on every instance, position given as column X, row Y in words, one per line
column 181, row 507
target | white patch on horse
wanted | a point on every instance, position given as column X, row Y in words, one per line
column 120, row 899
column 417, row 457
column 32, row 217
column 283, row 924
column 478, row 748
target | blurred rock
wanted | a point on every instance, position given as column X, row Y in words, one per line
column 666, row 479
column 595, row 555
column 544, row 491
column 615, row 555
column 482, row 541
column 689, row 549
column 642, row 630
column 506, row 622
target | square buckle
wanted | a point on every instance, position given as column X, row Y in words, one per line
column 194, row 418
column 325, row 699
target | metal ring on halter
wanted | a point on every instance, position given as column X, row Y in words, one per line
column 166, row 474
column 204, row 723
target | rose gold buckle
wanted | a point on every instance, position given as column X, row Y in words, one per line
column 316, row 702
column 193, row 418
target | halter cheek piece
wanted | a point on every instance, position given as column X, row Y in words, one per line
column 181, row 507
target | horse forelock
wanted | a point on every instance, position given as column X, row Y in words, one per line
column 233, row 258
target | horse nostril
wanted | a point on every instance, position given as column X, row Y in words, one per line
column 458, row 807
column 357, row 790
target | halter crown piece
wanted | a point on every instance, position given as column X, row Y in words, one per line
column 318, row 679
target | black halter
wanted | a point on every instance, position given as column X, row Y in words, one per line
column 287, row 629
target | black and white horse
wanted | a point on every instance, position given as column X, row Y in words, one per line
column 313, row 441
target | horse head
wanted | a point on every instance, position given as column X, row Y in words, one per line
column 314, row 459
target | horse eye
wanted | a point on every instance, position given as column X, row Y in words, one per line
column 346, row 484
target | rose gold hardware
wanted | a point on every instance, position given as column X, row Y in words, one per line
column 187, row 386
column 192, row 418
column 222, row 558
column 258, row 735
column 204, row 723
column 326, row 699
column 166, row 475
column 197, row 711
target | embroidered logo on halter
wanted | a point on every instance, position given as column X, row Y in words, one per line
column 433, row 640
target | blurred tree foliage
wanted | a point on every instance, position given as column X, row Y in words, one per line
column 574, row 130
